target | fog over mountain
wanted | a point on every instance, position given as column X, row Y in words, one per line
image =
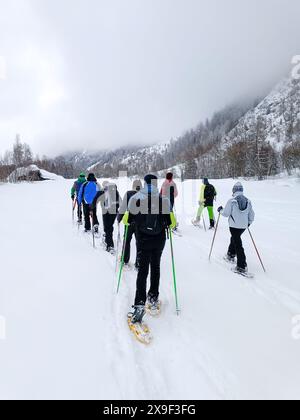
column 100, row 75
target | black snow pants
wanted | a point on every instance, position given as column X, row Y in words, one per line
column 236, row 247
column 87, row 210
column 127, row 250
column 108, row 225
column 150, row 257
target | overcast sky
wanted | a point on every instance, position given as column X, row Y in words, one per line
column 97, row 74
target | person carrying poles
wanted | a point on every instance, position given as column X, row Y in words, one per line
column 110, row 202
column 136, row 187
column 208, row 195
column 88, row 195
column 75, row 193
column 169, row 189
column 152, row 215
column 240, row 214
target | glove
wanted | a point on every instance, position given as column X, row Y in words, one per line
column 220, row 209
column 173, row 224
column 73, row 197
column 125, row 219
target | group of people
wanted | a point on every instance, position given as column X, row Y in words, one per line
column 149, row 214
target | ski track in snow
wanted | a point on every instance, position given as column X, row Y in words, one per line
column 67, row 328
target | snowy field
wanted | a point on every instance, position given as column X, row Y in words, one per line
column 66, row 334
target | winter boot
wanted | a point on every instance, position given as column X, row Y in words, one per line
column 240, row 270
column 196, row 222
column 138, row 314
column 111, row 250
column 229, row 258
column 212, row 225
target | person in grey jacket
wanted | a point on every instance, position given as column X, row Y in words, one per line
column 240, row 214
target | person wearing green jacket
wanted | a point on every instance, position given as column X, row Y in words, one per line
column 75, row 192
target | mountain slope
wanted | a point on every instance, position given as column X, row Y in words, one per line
column 277, row 117
column 254, row 138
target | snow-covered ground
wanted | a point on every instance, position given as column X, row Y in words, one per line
column 66, row 330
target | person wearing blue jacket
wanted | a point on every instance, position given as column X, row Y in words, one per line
column 89, row 193
column 240, row 214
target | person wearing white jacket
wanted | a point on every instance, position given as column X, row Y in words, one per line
column 240, row 214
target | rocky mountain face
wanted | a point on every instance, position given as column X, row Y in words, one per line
column 275, row 120
column 252, row 139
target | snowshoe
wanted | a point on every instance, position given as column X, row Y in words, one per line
column 243, row 272
column 140, row 330
column 127, row 267
column 153, row 306
column 196, row 223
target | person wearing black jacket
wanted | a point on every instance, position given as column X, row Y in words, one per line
column 136, row 187
column 152, row 216
column 208, row 195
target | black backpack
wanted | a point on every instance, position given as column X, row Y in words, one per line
column 210, row 192
column 153, row 223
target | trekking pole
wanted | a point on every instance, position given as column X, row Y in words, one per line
column 174, row 272
column 118, row 246
column 258, row 254
column 204, row 224
column 73, row 209
column 213, row 242
column 93, row 230
column 122, row 258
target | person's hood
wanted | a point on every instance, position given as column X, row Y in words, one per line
column 82, row 178
column 151, row 179
column 149, row 189
column 241, row 200
column 92, row 178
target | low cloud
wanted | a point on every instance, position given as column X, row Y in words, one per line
column 101, row 74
